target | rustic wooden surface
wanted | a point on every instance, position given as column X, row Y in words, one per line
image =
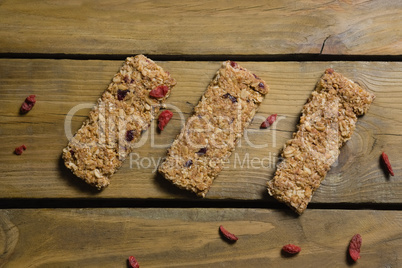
column 66, row 52
column 61, row 85
column 190, row 238
column 202, row 27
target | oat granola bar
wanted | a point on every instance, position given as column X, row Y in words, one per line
column 117, row 121
column 212, row 132
column 328, row 120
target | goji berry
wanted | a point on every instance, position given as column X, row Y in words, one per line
column 19, row 150
column 354, row 247
column 269, row 121
column 229, row 236
column 291, row 249
column 133, row 262
column 28, row 104
column 159, row 91
column 164, row 118
column 387, row 163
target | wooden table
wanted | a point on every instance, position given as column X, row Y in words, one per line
column 66, row 52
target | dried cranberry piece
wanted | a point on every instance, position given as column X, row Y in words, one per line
column 121, row 94
column 228, row 235
column 133, row 262
column 261, row 85
column 354, row 247
column 130, row 135
column 19, row 150
column 72, row 152
column 159, row 91
column 28, row 104
column 164, row 118
column 202, row 151
column 269, row 121
column 188, row 163
column 329, row 71
column 233, row 99
column 233, row 64
column 291, row 249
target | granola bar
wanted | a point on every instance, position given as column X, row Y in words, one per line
column 328, row 120
column 212, row 132
column 117, row 121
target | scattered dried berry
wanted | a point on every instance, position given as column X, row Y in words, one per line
column 164, row 118
column 269, row 121
column 354, row 247
column 121, row 94
column 202, row 151
column 28, row 104
column 291, row 249
column 229, row 236
column 19, row 150
column 387, row 164
column 261, row 85
column 188, row 163
column 159, row 91
column 130, row 135
column 133, row 262
column 233, row 99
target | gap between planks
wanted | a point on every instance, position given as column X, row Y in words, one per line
column 210, row 57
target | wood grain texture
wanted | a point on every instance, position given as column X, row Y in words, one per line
column 190, row 237
column 177, row 27
column 61, row 85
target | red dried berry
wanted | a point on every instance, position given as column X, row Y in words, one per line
column 28, row 104
column 261, row 85
column 329, row 71
column 233, row 64
column 229, row 236
column 133, row 262
column 159, row 91
column 164, row 118
column 387, row 164
column 269, row 121
column 19, row 150
column 354, row 247
column 291, row 249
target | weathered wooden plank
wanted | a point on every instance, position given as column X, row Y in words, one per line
column 202, row 28
column 171, row 237
column 61, row 85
